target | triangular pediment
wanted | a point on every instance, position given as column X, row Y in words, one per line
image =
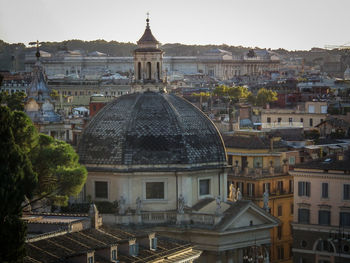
column 247, row 215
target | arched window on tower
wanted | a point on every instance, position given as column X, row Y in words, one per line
column 158, row 71
column 149, row 71
column 139, row 71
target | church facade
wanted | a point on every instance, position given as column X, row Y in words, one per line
column 163, row 162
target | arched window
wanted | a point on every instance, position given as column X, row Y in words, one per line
column 139, row 70
column 149, row 71
column 325, row 245
column 158, row 71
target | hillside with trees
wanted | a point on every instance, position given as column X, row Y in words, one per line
column 11, row 54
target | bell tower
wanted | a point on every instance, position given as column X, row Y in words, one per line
column 148, row 63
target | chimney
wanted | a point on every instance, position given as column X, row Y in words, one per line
column 93, row 214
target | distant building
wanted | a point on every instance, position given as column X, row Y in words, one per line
column 307, row 116
column 321, row 223
column 216, row 63
column 261, row 164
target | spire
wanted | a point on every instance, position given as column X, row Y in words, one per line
column 147, row 21
column 147, row 39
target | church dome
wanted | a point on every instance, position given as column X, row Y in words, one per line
column 151, row 131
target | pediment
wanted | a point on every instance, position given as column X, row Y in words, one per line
column 248, row 215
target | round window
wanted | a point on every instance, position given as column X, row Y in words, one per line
column 303, row 243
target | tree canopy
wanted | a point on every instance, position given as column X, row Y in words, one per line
column 263, row 97
column 233, row 93
column 17, row 180
column 14, row 101
column 59, row 173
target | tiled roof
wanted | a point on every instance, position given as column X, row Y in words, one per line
column 147, row 37
column 60, row 248
column 328, row 163
column 151, row 130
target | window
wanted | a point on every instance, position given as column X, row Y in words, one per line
column 346, row 192
column 114, row 254
column 266, row 185
column 204, row 187
column 304, row 188
column 101, row 189
column 134, row 250
column 291, row 160
column 257, row 162
column 251, row 189
column 301, row 120
column 292, row 208
column 303, row 216
column 311, row 122
column 279, row 232
column 324, row 190
column 311, row 108
column 279, row 210
column 324, row 245
column 344, row 218
column 290, row 120
column 279, row 120
column 324, row 218
column 280, row 187
column 154, row 190
column 268, row 120
column 154, row 243
column 280, row 252
column 324, row 109
column 291, row 186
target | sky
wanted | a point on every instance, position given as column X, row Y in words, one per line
column 293, row 25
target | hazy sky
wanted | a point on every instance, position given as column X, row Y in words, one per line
column 292, row 24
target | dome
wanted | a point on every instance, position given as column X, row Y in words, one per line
column 151, row 131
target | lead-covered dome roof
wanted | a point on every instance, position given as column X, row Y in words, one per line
column 151, row 131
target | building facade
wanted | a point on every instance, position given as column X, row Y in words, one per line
column 164, row 163
column 216, row 63
column 321, row 223
column 261, row 165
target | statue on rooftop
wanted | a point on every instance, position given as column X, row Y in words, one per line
column 138, row 205
column 181, row 204
column 232, row 195
column 239, row 195
column 121, row 205
column 218, row 204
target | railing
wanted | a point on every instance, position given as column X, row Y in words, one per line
column 267, row 125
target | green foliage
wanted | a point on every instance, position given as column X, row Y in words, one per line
column 59, row 172
column 17, row 180
column 233, row 93
column 263, row 97
column 15, row 101
column 54, row 94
